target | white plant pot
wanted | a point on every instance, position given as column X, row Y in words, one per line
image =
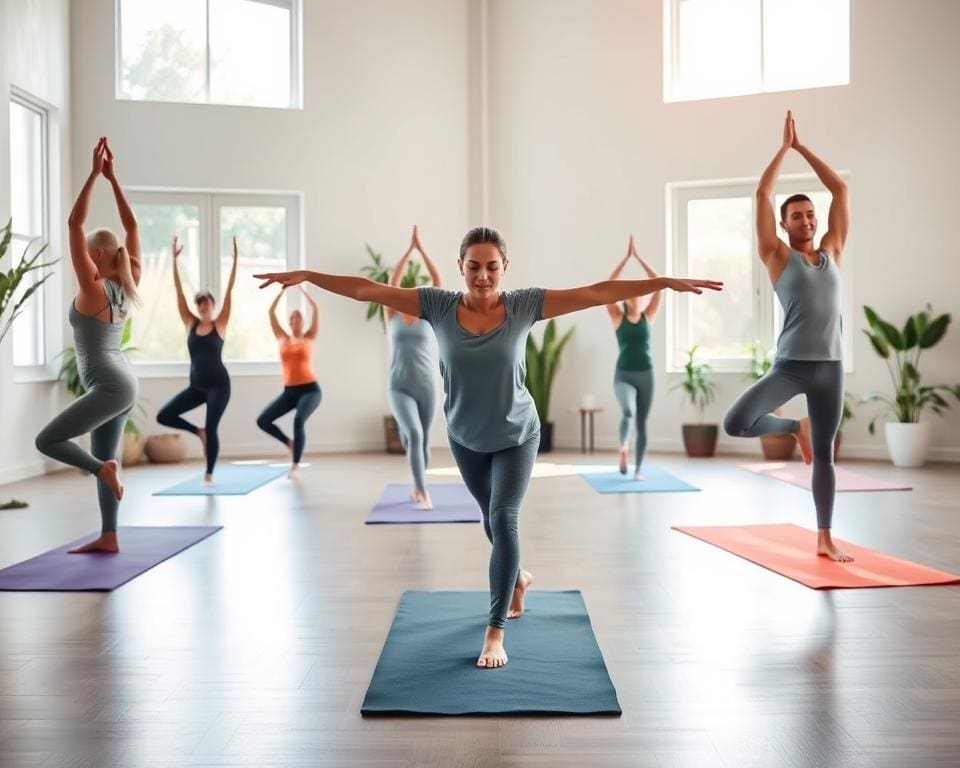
column 908, row 443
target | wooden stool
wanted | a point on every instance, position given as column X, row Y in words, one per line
column 585, row 414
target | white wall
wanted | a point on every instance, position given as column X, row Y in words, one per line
column 582, row 146
column 34, row 56
column 381, row 144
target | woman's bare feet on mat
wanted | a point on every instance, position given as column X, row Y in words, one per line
column 803, row 440
column 293, row 471
column 109, row 472
column 493, row 655
column 623, row 460
column 202, row 434
column 826, row 547
column 106, row 543
column 424, row 501
column 638, row 476
column 524, row 580
column 208, row 480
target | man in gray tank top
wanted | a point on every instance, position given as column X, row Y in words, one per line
column 809, row 360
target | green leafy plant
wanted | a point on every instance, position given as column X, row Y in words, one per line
column 379, row 272
column 10, row 306
column 901, row 350
column 70, row 374
column 697, row 385
column 848, row 405
column 542, row 365
column 761, row 360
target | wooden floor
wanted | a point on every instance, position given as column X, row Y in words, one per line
column 255, row 647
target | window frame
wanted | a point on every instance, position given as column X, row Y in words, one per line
column 209, row 202
column 295, row 7
column 765, row 310
column 671, row 59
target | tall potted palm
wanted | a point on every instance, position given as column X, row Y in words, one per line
column 775, row 447
column 542, row 364
column 700, row 439
column 908, row 438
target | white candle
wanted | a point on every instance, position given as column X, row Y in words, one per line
column 588, row 402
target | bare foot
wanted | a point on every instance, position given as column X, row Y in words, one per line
column 202, row 434
column 415, row 495
column 638, row 476
column 493, row 655
column 803, row 440
column 293, row 471
column 826, row 547
column 106, row 543
column 524, row 580
column 208, row 480
column 424, row 502
column 109, row 472
column 623, row 460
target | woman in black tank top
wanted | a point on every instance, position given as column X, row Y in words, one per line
column 209, row 380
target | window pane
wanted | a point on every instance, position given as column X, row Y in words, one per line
column 27, row 330
column 719, row 247
column 249, row 53
column 157, row 328
column 718, row 48
column 163, row 50
column 788, row 32
column 26, row 170
column 262, row 244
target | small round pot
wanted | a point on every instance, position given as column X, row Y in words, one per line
column 546, row 437
column 779, row 447
column 908, row 443
column 132, row 449
column 391, row 435
column 700, row 440
column 165, row 449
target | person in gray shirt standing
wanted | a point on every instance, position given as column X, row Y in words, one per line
column 809, row 360
column 492, row 424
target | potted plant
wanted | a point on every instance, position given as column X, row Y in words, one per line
column 698, row 439
column 542, row 365
column 908, row 438
column 776, row 447
column 379, row 272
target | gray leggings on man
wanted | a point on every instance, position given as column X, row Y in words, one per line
column 822, row 384
column 498, row 481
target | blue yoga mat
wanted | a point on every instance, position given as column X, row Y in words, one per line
column 428, row 663
column 229, row 480
column 606, row 480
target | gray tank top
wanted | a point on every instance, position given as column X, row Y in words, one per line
column 413, row 363
column 97, row 341
column 810, row 297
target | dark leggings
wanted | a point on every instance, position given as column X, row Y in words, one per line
column 303, row 398
column 498, row 481
column 216, row 399
column 822, row 384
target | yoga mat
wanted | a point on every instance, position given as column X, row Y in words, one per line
column 229, row 480
column 452, row 503
column 799, row 474
column 606, row 480
column 428, row 665
column 791, row 551
column 141, row 548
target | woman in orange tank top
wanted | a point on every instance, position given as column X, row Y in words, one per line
column 301, row 393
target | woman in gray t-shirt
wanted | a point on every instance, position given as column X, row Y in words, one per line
column 492, row 424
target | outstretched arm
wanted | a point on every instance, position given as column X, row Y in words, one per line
column 650, row 311
column 771, row 247
column 610, row 291
column 405, row 300
column 183, row 308
column 127, row 217
column 315, row 319
column 83, row 265
column 614, row 310
column 224, row 317
column 427, row 261
column 838, row 220
column 274, row 323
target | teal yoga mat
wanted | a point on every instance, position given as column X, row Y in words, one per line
column 229, row 480
column 606, row 480
column 428, row 663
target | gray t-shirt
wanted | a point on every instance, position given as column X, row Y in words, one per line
column 487, row 405
column 412, row 364
column 810, row 297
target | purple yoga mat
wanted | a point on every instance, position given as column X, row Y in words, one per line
column 452, row 503
column 141, row 548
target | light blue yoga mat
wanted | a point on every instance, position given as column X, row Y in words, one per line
column 428, row 665
column 228, row 479
column 606, row 480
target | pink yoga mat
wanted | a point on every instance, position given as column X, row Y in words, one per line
column 799, row 474
column 791, row 551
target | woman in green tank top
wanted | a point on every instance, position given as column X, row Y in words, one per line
column 633, row 377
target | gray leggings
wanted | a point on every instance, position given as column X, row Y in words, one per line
column 498, row 481
column 822, row 384
column 101, row 411
column 634, row 392
column 414, row 414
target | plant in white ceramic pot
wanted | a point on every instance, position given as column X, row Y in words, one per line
column 908, row 438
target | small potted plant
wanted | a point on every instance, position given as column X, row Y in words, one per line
column 776, row 447
column 542, row 363
column 908, row 438
column 700, row 439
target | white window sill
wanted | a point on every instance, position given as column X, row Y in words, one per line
column 182, row 370
column 34, row 374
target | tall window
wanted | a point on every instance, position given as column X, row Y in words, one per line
column 28, row 197
column 243, row 52
column 712, row 234
column 715, row 48
column 267, row 228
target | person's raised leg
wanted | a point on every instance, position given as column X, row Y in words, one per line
column 626, row 395
column 171, row 414
column 217, row 399
column 751, row 414
column 644, row 382
column 280, row 405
